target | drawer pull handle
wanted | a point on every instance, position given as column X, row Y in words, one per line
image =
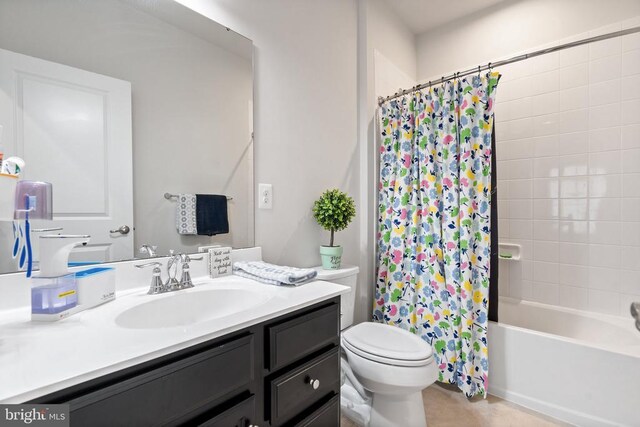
column 314, row 383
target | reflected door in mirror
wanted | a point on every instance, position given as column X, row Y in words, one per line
column 73, row 128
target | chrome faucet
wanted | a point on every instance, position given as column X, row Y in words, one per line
column 151, row 251
column 172, row 284
column 635, row 312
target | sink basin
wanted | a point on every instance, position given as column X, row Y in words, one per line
column 187, row 308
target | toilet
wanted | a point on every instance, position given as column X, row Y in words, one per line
column 384, row 368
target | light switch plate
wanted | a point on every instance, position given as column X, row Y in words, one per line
column 265, row 196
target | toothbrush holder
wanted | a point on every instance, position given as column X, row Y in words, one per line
column 34, row 198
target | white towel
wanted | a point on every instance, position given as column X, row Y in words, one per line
column 256, row 278
column 273, row 274
column 186, row 214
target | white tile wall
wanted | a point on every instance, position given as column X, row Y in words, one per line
column 568, row 149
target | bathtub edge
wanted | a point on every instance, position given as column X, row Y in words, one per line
column 549, row 409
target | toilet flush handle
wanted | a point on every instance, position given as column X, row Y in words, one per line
column 314, row 383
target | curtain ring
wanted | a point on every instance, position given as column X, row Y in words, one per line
column 490, row 67
column 478, row 71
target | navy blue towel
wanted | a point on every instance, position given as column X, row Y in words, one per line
column 211, row 214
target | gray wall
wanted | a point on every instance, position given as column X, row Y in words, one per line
column 306, row 121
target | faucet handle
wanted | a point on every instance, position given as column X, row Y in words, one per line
column 186, row 258
column 185, row 279
column 156, row 287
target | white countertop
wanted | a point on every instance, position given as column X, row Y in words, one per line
column 38, row 358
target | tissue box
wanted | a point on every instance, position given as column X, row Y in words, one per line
column 96, row 286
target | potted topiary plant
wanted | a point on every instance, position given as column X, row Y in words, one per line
column 334, row 210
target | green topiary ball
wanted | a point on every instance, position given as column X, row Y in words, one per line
column 334, row 210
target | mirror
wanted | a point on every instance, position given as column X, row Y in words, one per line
column 117, row 102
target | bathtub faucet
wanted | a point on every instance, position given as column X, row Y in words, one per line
column 635, row 312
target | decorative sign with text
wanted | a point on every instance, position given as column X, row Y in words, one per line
column 220, row 262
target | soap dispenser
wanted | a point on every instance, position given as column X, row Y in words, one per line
column 55, row 250
column 54, row 291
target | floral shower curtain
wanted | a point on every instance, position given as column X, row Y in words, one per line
column 435, row 222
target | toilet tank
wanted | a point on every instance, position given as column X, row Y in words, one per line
column 346, row 276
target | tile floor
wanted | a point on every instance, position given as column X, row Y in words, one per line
column 446, row 407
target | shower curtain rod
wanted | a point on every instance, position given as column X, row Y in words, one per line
column 522, row 57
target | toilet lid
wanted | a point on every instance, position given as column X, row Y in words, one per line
column 387, row 344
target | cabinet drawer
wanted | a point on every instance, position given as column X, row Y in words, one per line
column 328, row 415
column 164, row 395
column 301, row 336
column 241, row 415
column 293, row 392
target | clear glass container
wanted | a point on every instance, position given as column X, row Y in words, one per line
column 51, row 295
column 34, row 197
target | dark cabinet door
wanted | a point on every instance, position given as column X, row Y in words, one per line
column 293, row 339
column 169, row 394
column 326, row 416
column 241, row 415
column 296, row 391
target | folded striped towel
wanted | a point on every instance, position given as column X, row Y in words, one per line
column 273, row 274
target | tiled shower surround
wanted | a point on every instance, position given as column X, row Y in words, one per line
column 568, row 149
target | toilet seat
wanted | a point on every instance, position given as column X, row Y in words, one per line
column 388, row 345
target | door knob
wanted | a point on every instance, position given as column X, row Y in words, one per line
column 122, row 230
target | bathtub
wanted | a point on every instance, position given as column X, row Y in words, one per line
column 580, row 367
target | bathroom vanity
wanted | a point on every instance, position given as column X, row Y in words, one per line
column 228, row 352
column 285, row 371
